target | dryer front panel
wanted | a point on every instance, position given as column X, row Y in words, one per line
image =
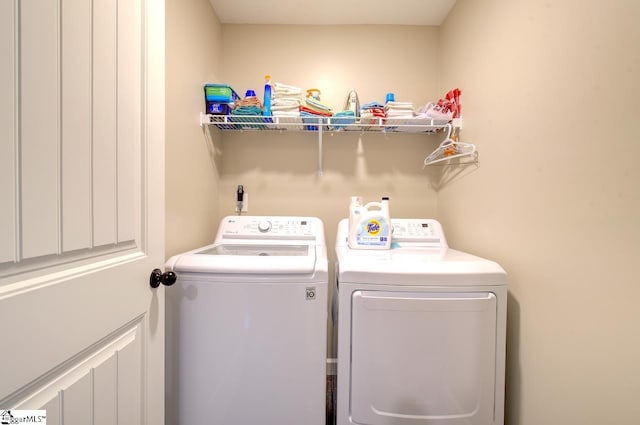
column 422, row 358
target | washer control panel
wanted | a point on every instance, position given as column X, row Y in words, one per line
column 268, row 228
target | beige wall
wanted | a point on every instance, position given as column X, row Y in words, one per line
column 550, row 98
column 193, row 58
column 279, row 170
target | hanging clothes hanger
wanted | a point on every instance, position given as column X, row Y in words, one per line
column 451, row 148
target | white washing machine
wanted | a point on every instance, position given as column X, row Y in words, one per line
column 421, row 332
column 252, row 324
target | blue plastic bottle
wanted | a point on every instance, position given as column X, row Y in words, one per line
column 267, row 96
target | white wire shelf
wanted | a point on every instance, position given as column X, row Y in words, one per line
column 320, row 125
column 316, row 124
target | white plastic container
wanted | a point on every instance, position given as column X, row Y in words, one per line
column 369, row 225
column 355, row 209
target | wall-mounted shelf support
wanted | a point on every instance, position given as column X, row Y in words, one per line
column 320, row 151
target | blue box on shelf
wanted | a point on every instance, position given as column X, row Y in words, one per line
column 218, row 108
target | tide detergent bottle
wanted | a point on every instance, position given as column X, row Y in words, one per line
column 369, row 225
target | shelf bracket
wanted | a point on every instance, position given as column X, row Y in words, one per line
column 320, row 149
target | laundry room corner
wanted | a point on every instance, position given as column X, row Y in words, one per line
column 193, row 49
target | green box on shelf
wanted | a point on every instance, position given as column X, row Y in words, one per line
column 221, row 93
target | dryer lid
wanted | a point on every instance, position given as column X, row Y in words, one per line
column 417, row 266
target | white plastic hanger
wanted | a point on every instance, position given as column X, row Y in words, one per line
column 449, row 149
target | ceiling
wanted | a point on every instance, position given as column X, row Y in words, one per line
column 333, row 12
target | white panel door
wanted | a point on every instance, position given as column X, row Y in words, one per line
column 423, row 358
column 81, row 222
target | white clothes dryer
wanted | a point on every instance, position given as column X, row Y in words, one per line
column 252, row 324
column 421, row 332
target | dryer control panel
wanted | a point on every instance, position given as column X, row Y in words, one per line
column 418, row 231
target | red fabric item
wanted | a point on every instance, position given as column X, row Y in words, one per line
column 314, row 112
column 451, row 102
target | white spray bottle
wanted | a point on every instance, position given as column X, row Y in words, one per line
column 355, row 210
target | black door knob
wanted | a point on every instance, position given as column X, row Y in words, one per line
column 166, row 278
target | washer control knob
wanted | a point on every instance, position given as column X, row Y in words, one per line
column 264, row 226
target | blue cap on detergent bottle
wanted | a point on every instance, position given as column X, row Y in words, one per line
column 390, row 97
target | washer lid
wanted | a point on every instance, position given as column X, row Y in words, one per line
column 247, row 258
column 257, row 250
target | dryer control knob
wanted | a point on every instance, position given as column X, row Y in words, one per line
column 264, row 226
